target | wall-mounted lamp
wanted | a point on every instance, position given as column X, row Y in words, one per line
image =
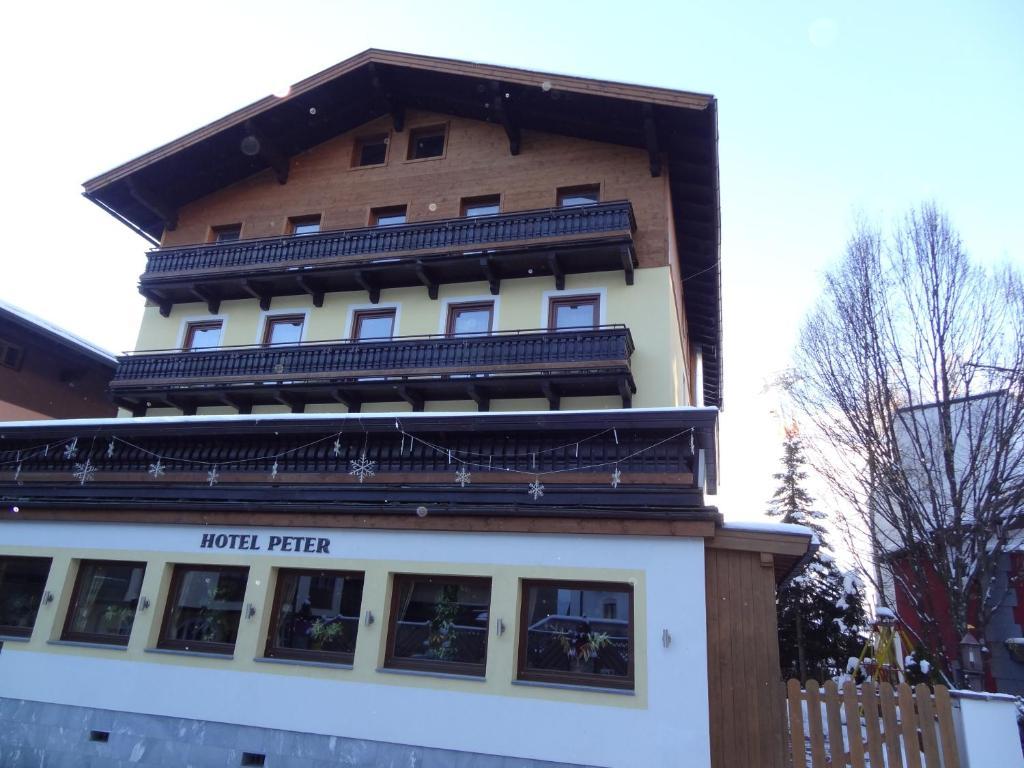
column 250, row 610
column 666, row 638
column 47, row 597
column 500, row 627
column 368, row 619
column 143, row 603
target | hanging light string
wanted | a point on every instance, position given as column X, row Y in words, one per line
column 525, row 454
column 232, row 462
column 39, row 450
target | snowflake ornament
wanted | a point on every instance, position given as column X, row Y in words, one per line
column 337, row 447
column 616, row 478
column 273, row 471
column 71, row 449
column 536, row 489
column 110, row 449
column 17, row 472
column 212, row 477
column 157, row 470
column 462, row 476
column 363, row 467
column 84, row 472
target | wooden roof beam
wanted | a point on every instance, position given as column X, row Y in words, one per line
column 502, row 112
column 367, row 285
column 149, row 199
column 651, row 140
column 262, row 296
column 256, row 142
column 313, row 288
column 386, row 97
column 160, row 300
column 209, row 297
column 428, row 280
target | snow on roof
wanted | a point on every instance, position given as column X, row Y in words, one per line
column 788, row 528
column 403, row 416
column 54, row 330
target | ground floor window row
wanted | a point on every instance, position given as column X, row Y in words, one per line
column 574, row 632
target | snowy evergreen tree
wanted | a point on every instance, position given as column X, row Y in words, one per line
column 820, row 610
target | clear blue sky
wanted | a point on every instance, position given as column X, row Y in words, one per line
column 826, row 108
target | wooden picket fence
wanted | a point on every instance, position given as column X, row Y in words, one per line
column 870, row 726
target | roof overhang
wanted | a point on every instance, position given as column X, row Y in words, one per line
column 677, row 128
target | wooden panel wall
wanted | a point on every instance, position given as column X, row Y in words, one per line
column 746, row 697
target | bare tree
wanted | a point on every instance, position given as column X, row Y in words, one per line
column 909, row 373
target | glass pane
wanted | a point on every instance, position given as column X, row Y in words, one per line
column 204, row 336
column 578, row 197
column 285, row 331
column 106, row 598
column 428, row 145
column 471, row 321
column 373, row 152
column 22, row 581
column 482, row 208
column 319, row 612
column 227, row 234
column 306, row 227
column 394, row 217
column 575, row 315
column 439, row 620
column 207, row 606
column 578, row 630
column 375, row 326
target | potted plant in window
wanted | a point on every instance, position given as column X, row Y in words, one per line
column 581, row 647
column 325, row 633
column 441, row 633
column 118, row 618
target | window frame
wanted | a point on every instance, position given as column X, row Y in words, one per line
column 361, row 141
column 577, row 189
column 455, row 307
column 299, row 221
column 9, row 630
column 192, row 326
column 270, row 320
column 583, row 679
column 386, row 210
column 219, row 229
column 468, row 202
column 94, row 637
column 359, row 314
column 272, row 651
column 426, row 130
column 434, row 666
column 583, row 298
column 11, row 355
column 197, row 646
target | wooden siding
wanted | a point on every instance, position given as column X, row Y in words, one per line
column 476, row 163
column 745, row 688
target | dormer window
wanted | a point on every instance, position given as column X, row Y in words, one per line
column 370, row 150
column 579, row 195
column 304, row 225
column 426, row 142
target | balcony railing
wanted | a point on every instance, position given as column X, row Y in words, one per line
column 508, row 364
column 442, row 235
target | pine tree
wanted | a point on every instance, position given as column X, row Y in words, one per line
column 820, row 610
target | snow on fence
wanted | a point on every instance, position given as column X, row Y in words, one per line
column 870, row 726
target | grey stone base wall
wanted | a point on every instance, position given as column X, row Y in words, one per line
column 45, row 735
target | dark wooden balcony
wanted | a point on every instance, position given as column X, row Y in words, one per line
column 550, row 241
column 515, row 364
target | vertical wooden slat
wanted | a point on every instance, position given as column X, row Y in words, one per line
column 869, row 702
column 926, row 721
column 891, row 736
column 814, row 725
column 837, row 753
column 851, row 705
column 947, row 734
column 739, row 654
column 796, row 723
column 712, row 599
column 908, row 722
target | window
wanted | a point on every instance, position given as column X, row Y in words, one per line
column 370, row 150
column 439, row 624
column 574, row 312
column 226, row 233
column 481, row 206
column 373, row 324
column 571, row 633
column 103, row 602
column 22, row 581
column 469, row 318
column 10, row 355
column 203, row 335
column 204, row 605
column 426, row 142
column 304, row 225
column 578, row 195
column 315, row 616
column 382, row 217
column 283, row 329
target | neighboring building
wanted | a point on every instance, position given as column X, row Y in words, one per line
column 424, row 415
column 48, row 373
column 986, row 454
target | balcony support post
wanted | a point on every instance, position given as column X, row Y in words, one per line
column 296, row 404
column 627, row 264
column 428, row 281
column 187, row 408
column 491, row 273
column 205, row 295
column 365, row 283
column 483, row 403
column 160, row 300
column 626, row 393
column 554, row 399
column 314, row 289
column 264, row 298
column 556, row 269
column 241, row 404
column 413, row 398
column 353, row 405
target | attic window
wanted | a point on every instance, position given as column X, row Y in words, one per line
column 426, row 142
column 370, row 150
column 10, row 355
column 227, row 233
column 578, row 195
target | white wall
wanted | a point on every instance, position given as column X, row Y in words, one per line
column 664, row 724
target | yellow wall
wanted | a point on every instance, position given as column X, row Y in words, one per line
column 647, row 308
column 370, row 644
